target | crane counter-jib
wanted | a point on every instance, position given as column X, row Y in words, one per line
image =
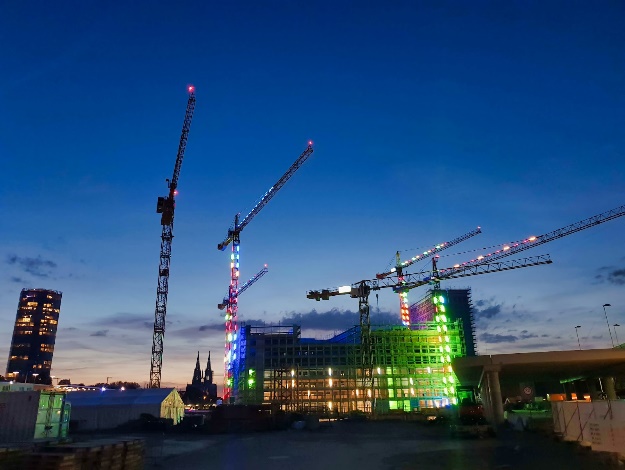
column 413, row 280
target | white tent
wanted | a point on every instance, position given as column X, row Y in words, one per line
column 107, row 409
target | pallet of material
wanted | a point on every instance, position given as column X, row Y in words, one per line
column 48, row 461
column 11, row 458
column 104, row 454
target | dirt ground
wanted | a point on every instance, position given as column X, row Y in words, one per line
column 347, row 445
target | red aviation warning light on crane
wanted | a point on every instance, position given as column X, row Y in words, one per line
column 234, row 232
column 165, row 206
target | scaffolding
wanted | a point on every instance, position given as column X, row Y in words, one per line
column 310, row 375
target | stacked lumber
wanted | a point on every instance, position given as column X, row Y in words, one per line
column 105, row 454
column 48, row 461
column 133, row 454
column 11, row 458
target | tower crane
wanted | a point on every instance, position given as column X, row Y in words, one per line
column 513, row 248
column 233, row 237
column 404, row 305
column 362, row 289
column 483, row 264
column 243, row 288
column 521, row 245
column 165, row 206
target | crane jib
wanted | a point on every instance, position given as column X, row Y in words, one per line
column 267, row 197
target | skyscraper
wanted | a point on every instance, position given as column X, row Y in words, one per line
column 34, row 334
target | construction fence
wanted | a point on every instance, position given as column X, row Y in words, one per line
column 597, row 424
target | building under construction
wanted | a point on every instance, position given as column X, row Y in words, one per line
column 459, row 302
column 411, row 365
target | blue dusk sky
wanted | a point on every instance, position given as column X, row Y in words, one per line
column 428, row 120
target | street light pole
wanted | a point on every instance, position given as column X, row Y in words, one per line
column 608, row 323
column 578, row 343
column 615, row 335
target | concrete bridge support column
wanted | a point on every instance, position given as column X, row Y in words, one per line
column 608, row 387
column 486, row 403
column 491, row 395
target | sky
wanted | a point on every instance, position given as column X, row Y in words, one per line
column 428, row 120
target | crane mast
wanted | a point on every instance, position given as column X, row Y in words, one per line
column 165, row 206
column 233, row 237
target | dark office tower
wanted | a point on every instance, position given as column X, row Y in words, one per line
column 459, row 306
column 34, row 334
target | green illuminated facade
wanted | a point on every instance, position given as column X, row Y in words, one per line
column 412, row 366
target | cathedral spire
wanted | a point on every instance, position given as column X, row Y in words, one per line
column 208, row 373
column 197, row 373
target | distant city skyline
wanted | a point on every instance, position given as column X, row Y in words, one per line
column 427, row 120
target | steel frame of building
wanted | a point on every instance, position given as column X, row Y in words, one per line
column 300, row 374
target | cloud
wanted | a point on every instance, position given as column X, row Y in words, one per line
column 538, row 346
column 617, row 277
column 489, row 312
column 38, row 266
column 336, row 319
column 331, row 320
column 213, row 327
column 497, row 338
column 611, row 275
column 487, row 308
column 18, row 280
column 100, row 333
column 127, row 320
column 527, row 335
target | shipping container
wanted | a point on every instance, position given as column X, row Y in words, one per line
column 33, row 415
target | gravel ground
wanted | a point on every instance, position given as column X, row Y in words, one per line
column 347, row 445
